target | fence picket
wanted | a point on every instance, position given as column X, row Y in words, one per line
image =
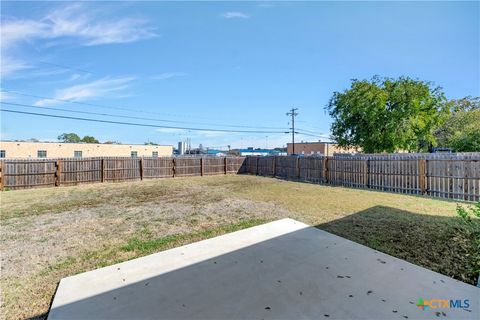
column 455, row 176
column 444, row 176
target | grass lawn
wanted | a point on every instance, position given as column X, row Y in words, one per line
column 47, row 234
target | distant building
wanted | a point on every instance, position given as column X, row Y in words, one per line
column 182, row 148
column 317, row 148
column 218, row 153
column 258, row 152
column 14, row 149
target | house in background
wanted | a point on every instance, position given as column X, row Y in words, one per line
column 19, row 149
column 317, row 148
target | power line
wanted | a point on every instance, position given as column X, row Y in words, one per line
column 297, row 131
column 308, row 131
column 133, row 110
column 133, row 123
column 107, row 114
column 80, row 112
column 308, row 134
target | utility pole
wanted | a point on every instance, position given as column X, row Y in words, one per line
column 293, row 114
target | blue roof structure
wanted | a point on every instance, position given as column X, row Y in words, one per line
column 214, row 151
column 270, row 151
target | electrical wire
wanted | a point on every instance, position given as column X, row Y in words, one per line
column 310, row 135
column 109, row 115
column 307, row 131
column 136, row 111
column 133, row 123
column 300, row 131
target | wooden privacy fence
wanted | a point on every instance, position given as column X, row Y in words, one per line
column 30, row 173
column 436, row 175
column 442, row 176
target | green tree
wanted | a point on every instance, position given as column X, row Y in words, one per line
column 69, row 137
column 461, row 131
column 468, row 103
column 385, row 114
column 89, row 139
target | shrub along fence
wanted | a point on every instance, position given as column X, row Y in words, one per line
column 437, row 175
column 30, row 173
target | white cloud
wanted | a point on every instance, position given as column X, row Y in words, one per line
column 77, row 76
column 91, row 90
column 168, row 75
column 5, row 96
column 42, row 73
column 14, row 31
column 10, row 66
column 75, row 21
column 235, row 14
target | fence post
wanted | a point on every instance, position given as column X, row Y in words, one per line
column 256, row 170
column 465, row 179
column 103, row 169
column 201, row 166
column 58, row 172
column 367, row 174
column 174, row 166
column 274, row 166
column 141, row 168
column 297, row 162
column 2, row 175
column 422, row 164
column 450, row 178
column 225, row 164
column 325, row 169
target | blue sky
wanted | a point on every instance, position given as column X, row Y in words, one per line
column 220, row 64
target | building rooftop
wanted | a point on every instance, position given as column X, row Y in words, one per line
column 85, row 143
column 313, row 142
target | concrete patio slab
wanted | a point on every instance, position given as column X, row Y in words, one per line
column 280, row 270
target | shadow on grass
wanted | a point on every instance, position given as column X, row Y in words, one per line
column 439, row 243
column 41, row 316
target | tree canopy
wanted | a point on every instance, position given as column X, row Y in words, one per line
column 75, row 138
column 461, row 131
column 89, row 139
column 386, row 115
column 69, row 137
